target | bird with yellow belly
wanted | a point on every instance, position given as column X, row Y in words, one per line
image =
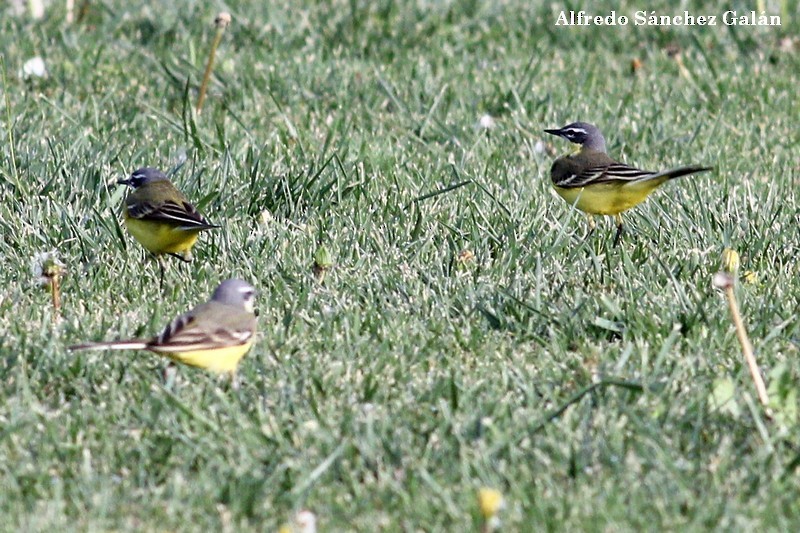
column 160, row 217
column 598, row 185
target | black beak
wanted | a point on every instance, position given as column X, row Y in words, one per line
column 554, row 132
column 126, row 181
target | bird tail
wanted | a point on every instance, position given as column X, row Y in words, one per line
column 132, row 344
column 678, row 172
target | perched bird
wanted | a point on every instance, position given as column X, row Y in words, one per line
column 160, row 217
column 598, row 185
column 214, row 335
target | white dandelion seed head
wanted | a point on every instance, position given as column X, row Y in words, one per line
column 33, row 68
column 306, row 522
column 486, row 122
column 722, row 280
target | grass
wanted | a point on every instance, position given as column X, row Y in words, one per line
column 580, row 379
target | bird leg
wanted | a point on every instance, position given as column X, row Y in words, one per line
column 618, row 236
column 170, row 373
column 160, row 272
column 592, row 225
column 186, row 256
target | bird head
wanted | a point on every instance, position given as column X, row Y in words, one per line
column 142, row 176
column 582, row 133
column 235, row 292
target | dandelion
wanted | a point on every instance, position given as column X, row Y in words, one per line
column 36, row 9
column 725, row 281
column 490, row 502
column 730, row 260
column 722, row 281
column 303, row 522
column 749, row 277
column 306, row 522
column 47, row 270
column 33, row 68
column 221, row 22
column 486, row 122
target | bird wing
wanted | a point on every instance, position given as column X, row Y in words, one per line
column 622, row 174
column 184, row 214
column 162, row 202
column 579, row 171
column 614, row 173
column 208, row 326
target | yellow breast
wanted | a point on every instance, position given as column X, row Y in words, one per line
column 608, row 198
column 220, row 360
column 161, row 237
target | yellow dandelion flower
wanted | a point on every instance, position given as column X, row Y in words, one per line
column 750, row 277
column 730, row 260
column 490, row 502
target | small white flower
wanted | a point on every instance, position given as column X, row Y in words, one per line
column 486, row 122
column 36, row 9
column 266, row 217
column 539, row 147
column 34, row 67
column 310, row 425
column 722, row 280
column 306, row 522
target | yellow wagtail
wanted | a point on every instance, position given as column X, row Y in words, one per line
column 160, row 217
column 598, row 185
column 214, row 335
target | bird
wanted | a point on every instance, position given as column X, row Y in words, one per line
column 214, row 336
column 160, row 217
column 597, row 184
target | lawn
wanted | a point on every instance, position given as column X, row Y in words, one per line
column 469, row 332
